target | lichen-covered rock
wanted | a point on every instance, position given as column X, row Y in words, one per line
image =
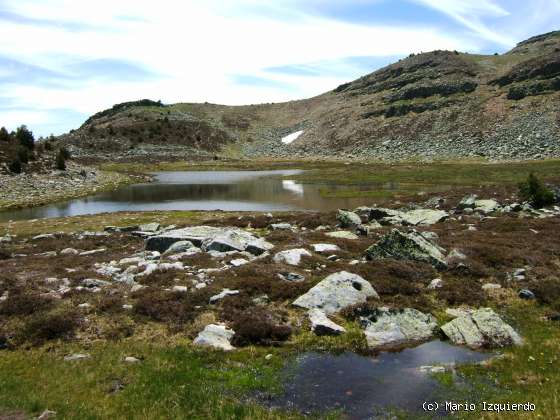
column 467, row 202
column 215, row 336
column 342, row 234
column 407, row 246
column 336, row 292
column 321, row 325
column 394, row 328
column 481, row 328
column 348, row 219
column 486, row 206
column 423, row 217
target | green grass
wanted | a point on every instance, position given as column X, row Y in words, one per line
column 170, row 383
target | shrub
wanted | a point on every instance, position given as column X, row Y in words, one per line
column 535, row 192
column 15, row 166
column 50, row 326
column 257, row 326
column 23, row 155
column 4, row 135
column 25, row 137
column 60, row 161
column 22, row 303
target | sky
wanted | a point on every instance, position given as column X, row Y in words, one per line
column 63, row 60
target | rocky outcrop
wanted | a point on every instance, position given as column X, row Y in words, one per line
column 407, row 246
column 210, row 239
column 395, row 328
column 337, row 292
column 481, row 328
column 348, row 219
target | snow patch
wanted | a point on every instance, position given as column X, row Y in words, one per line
column 292, row 137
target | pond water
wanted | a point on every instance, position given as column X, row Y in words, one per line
column 205, row 190
column 365, row 387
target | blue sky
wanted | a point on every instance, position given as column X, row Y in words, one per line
column 63, row 60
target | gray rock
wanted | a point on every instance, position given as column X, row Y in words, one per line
column 291, row 256
column 76, row 356
column 435, row 284
column 43, row 236
column 180, row 289
column 423, row 217
column 215, row 336
column 291, row 277
column 212, row 238
column 150, row 227
column 479, row 328
column 321, row 325
column 395, row 328
column 486, row 206
column 179, row 247
column 342, row 234
column 337, row 292
column 92, row 252
column 467, row 202
column 69, row 251
column 281, row 226
column 407, row 246
column 455, row 254
column 379, row 213
column 348, row 219
column 491, row 286
column 238, row 262
column 369, row 228
column 526, row 294
column 224, row 293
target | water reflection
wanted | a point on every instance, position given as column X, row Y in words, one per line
column 204, row 190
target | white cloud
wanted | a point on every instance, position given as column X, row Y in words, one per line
column 471, row 13
column 197, row 46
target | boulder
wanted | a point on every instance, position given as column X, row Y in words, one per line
column 526, row 294
column 407, row 246
column 486, row 206
column 210, row 238
column 291, row 256
column 394, row 328
column 215, row 336
column 336, row 292
column 281, row 226
column 423, row 217
column 348, row 219
column 321, row 325
column 481, row 328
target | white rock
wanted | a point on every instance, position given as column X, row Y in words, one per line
column 238, row 262
column 435, row 284
column 342, row 234
column 69, row 251
column 76, row 356
column 223, row 294
column 216, row 336
column 180, row 289
column 325, row 248
column 291, row 256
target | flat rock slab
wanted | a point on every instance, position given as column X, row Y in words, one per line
column 215, row 336
column 481, row 328
column 395, row 328
column 325, row 248
column 423, row 217
column 336, row 292
column 342, row 234
column 210, row 238
column 407, row 246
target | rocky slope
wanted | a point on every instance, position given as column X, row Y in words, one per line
column 437, row 104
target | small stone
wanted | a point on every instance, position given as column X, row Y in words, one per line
column 131, row 359
column 342, row 234
column 291, row 256
column 47, row 414
column 435, row 284
column 526, row 294
column 224, row 293
column 292, row 277
column 321, row 325
column 76, row 356
column 268, row 357
column 320, row 248
column 216, row 336
column 238, row 262
column 491, row 286
column 180, row 289
column 69, row 251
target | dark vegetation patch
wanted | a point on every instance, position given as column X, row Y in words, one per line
column 23, row 302
column 60, row 323
column 257, row 325
column 458, row 291
column 547, row 291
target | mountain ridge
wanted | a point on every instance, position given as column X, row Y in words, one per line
column 440, row 104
